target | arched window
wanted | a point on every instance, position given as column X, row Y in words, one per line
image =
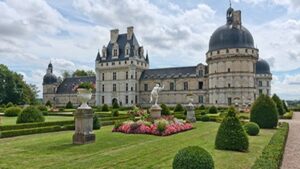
column 127, row 50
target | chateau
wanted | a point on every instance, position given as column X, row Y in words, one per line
column 234, row 74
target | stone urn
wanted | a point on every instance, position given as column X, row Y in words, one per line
column 84, row 95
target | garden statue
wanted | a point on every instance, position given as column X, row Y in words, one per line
column 190, row 115
column 154, row 93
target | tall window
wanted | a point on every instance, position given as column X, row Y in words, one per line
column 268, row 92
column 185, row 86
column 136, row 99
column 126, row 99
column 145, row 87
column 131, row 88
column 228, row 70
column 227, row 50
column 102, row 88
column 260, row 83
column 268, row 83
column 200, row 85
column 102, row 76
column 115, row 52
column 201, row 99
column 135, row 87
column 127, row 51
column 126, row 75
column 171, row 86
column 229, row 85
column 201, row 74
column 102, row 99
column 126, row 87
column 260, row 92
column 114, row 76
column 114, row 87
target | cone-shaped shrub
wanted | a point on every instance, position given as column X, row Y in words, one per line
column 69, row 105
column 279, row 104
column 105, row 108
column 264, row 112
column 165, row 109
column 213, row 110
column 193, row 157
column 231, row 135
column 178, row 108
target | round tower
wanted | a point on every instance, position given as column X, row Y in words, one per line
column 231, row 60
column 50, row 83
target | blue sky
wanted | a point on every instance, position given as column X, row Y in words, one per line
column 176, row 33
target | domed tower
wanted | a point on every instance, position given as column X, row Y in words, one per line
column 263, row 77
column 231, row 59
column 50, row 83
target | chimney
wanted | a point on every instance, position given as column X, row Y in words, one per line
column 129, row 32
column 114, row 35
column 237, row 20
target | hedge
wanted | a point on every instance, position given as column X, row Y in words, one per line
column 36, row 125
column 288, row 115
column 272, row 154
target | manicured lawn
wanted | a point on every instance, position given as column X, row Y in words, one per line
column 117, row 150
column 12, row 120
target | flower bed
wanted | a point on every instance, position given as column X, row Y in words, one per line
column 167, row 125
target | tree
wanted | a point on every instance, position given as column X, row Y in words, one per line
column 279, row 104
column 285, row 106
column 79, row 73
column 66, row 74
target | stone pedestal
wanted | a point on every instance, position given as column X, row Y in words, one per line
column 155, row 111
column 83, row 126
column 190, row 115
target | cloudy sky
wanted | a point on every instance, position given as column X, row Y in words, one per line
column 175, row 33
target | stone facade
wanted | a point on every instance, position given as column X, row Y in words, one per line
column 233, row 74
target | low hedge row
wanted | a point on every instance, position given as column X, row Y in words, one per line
column 35, row 125
column 272, row 154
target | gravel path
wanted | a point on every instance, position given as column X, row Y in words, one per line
column 291, row 157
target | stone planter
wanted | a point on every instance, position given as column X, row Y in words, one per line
column 83, row 126
column 84, row 95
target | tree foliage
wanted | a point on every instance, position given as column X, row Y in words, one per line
column 279, row 104
column 79, row 73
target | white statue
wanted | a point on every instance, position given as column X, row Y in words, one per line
column 154, row 93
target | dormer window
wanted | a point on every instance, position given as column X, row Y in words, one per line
column 127, row 50
column 115, row 52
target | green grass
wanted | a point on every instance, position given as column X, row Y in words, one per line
column 117, row 150
column 12, row 120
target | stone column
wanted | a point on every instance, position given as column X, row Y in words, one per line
column 83, row 126
column 155, row 111
column 190, row 115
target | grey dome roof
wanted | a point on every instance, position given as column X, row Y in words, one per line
column 262, row 67
column 229, row 36
column 49, row 78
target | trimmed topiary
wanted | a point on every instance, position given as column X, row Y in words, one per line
column 193, row 157
column 204, row 118
column 69, row 105
column 285, row 106
column 164, row 109
column 202, row 107
column 30, row 115
column 10, row 104
column 12, row 111
column 231, row 135
column 96, row 122
column 105, row 108
column 48, row 104
column 251, row 128
column 264, row 112
column 279, row 104
column 115, row 105
column 114, row 113
column 178, row 108
column 213, row 110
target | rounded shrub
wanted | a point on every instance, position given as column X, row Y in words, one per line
column 202, row 107
column 202, row 113
column 264, row 112
column 279, row 104
column 204, row 118
column 69, row 105
column 251, row 128
column 30, row 115
column 231, row 135
column 114, row 113
column 165, row 109
column 48, row 104
column 178, row 108
column 96, row 122
column 105, row 108
column 42, row 108
column 115, row 105
column 213, row 110
column 12, row 111
column 193, row 157
column 10, row 104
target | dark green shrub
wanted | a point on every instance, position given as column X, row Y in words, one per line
column 178, row 108
column 36, row 125
column 251, row 128
column 96, row 122
column 164, row 109
column 29, row 115
column 114, row 113
column 10, row 104
column 118, row 123
column 185, row 112
column 86, row 85
column 202, row 113
column 12, row 111
column 193, row 157
column 69, row 105
column 285, row 106
column 264, row 112
column 279, row 104
column 48, row 104
column 204, row 118
column 115, row 105
column 42, row 108
column 202, row 107
column 231, row 135
column 213, row 110
column 13, row 133
column 105, row 108
column 272, row 154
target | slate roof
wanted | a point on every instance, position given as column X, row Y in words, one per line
column 68, row 84
column 262, row 67
column 174, row 72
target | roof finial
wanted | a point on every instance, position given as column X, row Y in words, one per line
column 230, row 3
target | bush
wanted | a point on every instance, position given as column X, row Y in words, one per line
column 231, row 135
column 118, row 123
column 105, row 108
column 288, row 115
column 10, row 104
column 114, row 113
column 115, row 105
column 29, row 115
column 164, row 110
column 202, row 113
column 69, row 105
column 178, row 108
column 285, row 106
column 272, row 154
column 213, row 110
column 161, row 126
column 96, row 122
column 264, row 112
column 48, row 104
column 204, row 118
column 202, row 107
column 279, row 104
column 42, row 108
column 12, row 111
column 193, row 157
column 251, row 128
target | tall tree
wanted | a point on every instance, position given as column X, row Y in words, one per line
column 66, row 74
column 279, row 104
column 79, row 73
